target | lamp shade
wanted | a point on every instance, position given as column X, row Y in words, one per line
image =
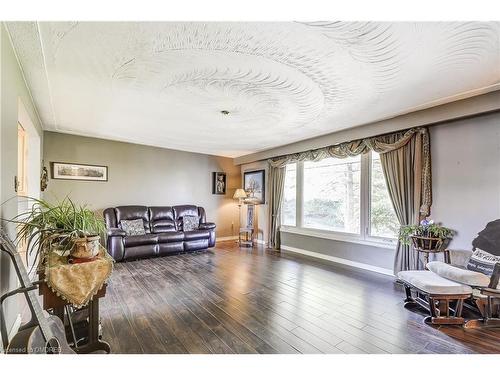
column 239, row 193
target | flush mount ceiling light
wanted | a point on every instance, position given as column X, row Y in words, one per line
column 224, row 112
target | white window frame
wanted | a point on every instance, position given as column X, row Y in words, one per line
column 364, row 237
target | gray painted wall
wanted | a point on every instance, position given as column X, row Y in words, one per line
column 465, row 107
column 466, row 189
column 466, row 175
column 144, row 175
column 374, row 256
column 13, row 89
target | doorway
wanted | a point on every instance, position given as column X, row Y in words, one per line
column 28, row 166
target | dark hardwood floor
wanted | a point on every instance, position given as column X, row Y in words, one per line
column 231, row 300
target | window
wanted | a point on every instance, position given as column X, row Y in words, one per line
column 344, row 199
column 332, row 194
column 289, row 206
column 383, row 221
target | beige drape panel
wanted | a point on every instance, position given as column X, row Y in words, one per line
column 406, row 162
column 276, row 188
column 404, row 170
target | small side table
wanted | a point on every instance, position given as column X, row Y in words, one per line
column 245, row 237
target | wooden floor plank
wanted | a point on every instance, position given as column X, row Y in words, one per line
column 232, row 300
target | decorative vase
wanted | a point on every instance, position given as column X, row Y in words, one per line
column 85, row 247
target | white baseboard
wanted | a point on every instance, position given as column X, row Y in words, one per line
column 235, row 238
column 364, row 266
column 229, row 238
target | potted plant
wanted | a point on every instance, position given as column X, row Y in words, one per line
column 62, row 226
column 426, row 236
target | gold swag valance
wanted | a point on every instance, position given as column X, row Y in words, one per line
column 380, row 144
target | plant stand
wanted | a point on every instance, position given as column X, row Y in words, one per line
column 428, row 245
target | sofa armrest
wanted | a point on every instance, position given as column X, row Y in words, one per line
column 211, row 229
column 459, row 257
column 207, row 226
column 116, row 232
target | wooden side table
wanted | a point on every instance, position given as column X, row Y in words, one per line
column 53, row 301
column 245, row 237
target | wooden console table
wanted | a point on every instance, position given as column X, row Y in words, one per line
column 53, row 301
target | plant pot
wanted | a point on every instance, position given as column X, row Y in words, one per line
column 85, row 247
column 430, row 244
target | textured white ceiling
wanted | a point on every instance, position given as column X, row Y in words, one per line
column 165, row 84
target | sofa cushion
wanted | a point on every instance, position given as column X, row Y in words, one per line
column 145, row 239
column 190, row 223
column 184, row 210
column 458, row 274
column 162, row 226
column 161, row 219
column 161, row 213
column 170, row 248
column 196, row 235
column 432, row 283
column 133, row 227
column 168, row 237
column 187, row 209
column 483, row 262
column 133, row 213
column 195, row 245
column 144, row 251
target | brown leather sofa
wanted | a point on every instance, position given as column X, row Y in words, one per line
column 164, row 233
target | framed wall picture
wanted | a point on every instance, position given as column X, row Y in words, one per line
column 254, row 183
column 219, row 183
column 82, row 172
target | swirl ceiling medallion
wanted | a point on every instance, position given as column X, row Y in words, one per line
column 255, row 90
column 235, row 88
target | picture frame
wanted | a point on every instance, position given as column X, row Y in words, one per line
column 79, row 172
column 254, row 183
column 219, row 183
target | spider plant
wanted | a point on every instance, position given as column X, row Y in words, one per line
column 49, row 226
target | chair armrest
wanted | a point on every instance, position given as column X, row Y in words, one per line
column 116, row 232
column 495, row 278
column 207, row 226
column 459, row 257
column 490, row 292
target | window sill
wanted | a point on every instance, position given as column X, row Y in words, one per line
column 336, row 236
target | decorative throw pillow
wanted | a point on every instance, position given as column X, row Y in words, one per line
column 133, row 227
column 482, row 261
column 190, row 223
